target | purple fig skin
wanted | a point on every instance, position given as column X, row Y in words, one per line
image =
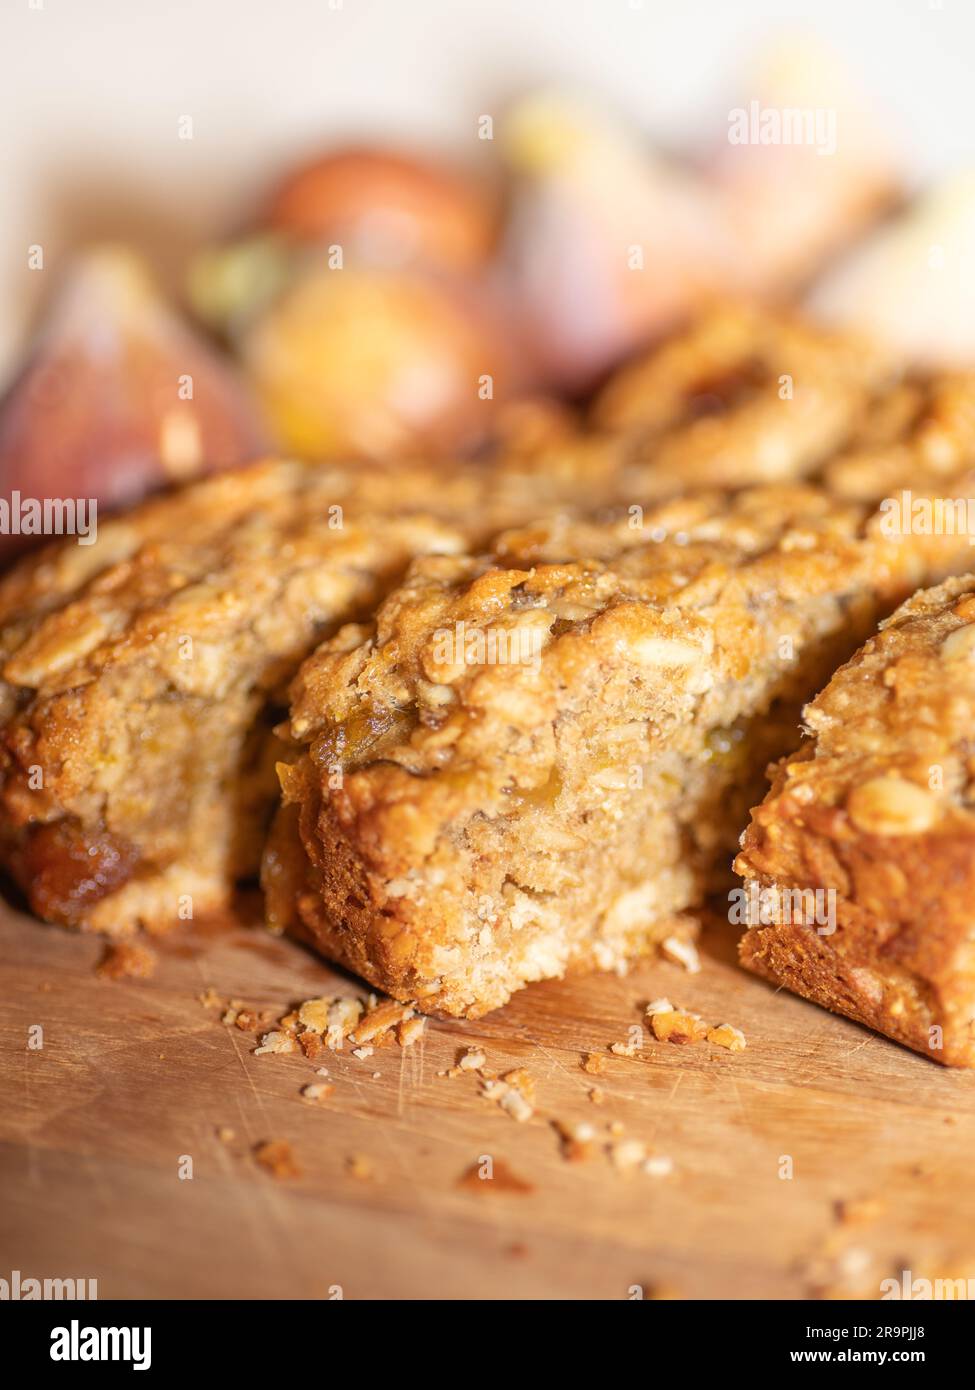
column 118, row 397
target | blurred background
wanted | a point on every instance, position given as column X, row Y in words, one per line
column 184, row 177
column 93, row 91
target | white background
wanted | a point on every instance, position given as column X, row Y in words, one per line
column 91, row 92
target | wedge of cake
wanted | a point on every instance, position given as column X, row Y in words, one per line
column 860, row 862
column 532, row 759
column 142, row 675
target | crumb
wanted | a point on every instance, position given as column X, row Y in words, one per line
column 620, row 1049
column 682, row 952
column 226, row 1135
column 597, row 1096
column 321, row 1071
column 210, row 999
column 380, row 1018
column 362, row 1052
column 276, row 1156
column 594, row 1064
column 578, row 1141
column 410, row 1030
column 471, row 1060
column 276, row 1042
column 725, row 1035
column 376, row 1075
column 523, row 1081
column 659, row 1006
column 616, row 1128
column 678, row 1027
column 317, row 1090
column 250, row 1022
column 361, row 1168
column 859, row 1211
column 311, row 1044
column 313, row 1015
column 658, row 1166
column 629, row 1153
column 501, row 1179
column 513, row 1103
column 854, row 1261
column 127, row 960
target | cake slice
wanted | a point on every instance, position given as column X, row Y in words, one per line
column 142, row 675
column 860, row 862
column 531, row 760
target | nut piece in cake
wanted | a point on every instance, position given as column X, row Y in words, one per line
column 875, row 814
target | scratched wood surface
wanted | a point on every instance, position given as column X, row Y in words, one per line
column 135, row 1074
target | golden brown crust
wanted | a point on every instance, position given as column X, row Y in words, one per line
column 460, row 836
column 920, row 434
column 745, row 396
column 877, row 809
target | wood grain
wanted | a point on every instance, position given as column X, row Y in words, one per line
column 133, row 1075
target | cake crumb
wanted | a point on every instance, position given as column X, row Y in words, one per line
column 513, row 1103
column 360, row 1167
column 226, row 1135
column 275, row 1155
column 678, row 1027
column 659, row 1166
column 594, row 1064
column 523, row 1081
column 317, row 1091
column 471, row 1060
column 727, row 1036
column 659, row 1006
column 276, row 1041
column 362, row 1052
column 628, row 1154
column 624, row 1049
column 682, row 952
column 597, row 1096
column 311, row 1044
column 380, row 1018
column 859, row 1211
column 127, row 960
column 410, row 1030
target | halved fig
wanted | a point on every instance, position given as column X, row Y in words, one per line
column 117, row 397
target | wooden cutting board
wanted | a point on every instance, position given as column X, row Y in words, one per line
column 137, row 1076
